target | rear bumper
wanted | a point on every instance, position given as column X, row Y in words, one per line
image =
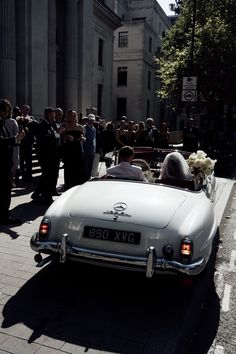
column 149, row 264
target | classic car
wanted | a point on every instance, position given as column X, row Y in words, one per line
column 151, row 227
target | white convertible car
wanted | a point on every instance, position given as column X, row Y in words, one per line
column 150, row 227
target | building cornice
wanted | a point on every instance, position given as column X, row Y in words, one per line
column 106, row 14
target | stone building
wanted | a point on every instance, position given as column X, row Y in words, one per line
column 57, row 53
column 136, row 43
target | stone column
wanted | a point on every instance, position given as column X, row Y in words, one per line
column 39, row 55
column 86, row 52
column 7, row 50
column 71, row 55
column 52, row 53
column 23, row 52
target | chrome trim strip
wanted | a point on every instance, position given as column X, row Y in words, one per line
column 119, row 260
column 63, row 248
column 151, row 260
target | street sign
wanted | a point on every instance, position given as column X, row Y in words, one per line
column 189, row 95
column 190, row 83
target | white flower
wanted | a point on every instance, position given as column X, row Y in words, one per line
column 193, row 156
column 201, row 154
column 199, row 163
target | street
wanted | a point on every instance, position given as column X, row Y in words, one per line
column 77, row 308
column 216, row 311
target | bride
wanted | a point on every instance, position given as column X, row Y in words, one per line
column 175, row 167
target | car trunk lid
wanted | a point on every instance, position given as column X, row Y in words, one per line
column 127, row 202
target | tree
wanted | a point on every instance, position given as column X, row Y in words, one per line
column 214, row 53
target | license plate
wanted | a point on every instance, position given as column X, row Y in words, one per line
column 100, row 233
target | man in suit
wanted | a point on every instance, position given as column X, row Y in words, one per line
column 89, row 146
column 59, row 128
column 151, row 133
column 6, row 150
column 27, row 123
column 47, row 146
column 125, row 169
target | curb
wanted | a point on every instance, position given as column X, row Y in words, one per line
column 225, row 192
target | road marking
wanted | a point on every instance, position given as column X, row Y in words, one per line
column 219, row 349
column 226, row 298
column 232, row 260
column 235, row 235
column 219, row 279
column 216, row 349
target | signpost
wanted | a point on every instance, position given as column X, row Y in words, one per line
column 189, row 90
column 190, row 82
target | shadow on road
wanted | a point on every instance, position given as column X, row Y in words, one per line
column 8, row 230
column 206, row 326
column 23, row 187
column 103, row 309
column 197, row 338
column 29, row 211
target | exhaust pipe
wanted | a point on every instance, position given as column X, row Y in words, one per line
column 45, row 260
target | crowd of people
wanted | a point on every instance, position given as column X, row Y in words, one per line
column 77, row 142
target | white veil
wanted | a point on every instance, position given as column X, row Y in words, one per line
column 175, row 166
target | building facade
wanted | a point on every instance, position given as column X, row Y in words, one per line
column 57, row 53
column 137, row 43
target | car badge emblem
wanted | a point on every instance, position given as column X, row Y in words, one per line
column 119, row 210
column 120, row 206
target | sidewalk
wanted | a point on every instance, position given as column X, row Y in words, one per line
column 223, row 193
column 23, row 299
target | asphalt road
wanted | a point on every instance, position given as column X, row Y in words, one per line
column 78, row 309
column 225, row 282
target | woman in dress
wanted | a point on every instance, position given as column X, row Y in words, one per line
column 175, row 167
column 164, row 136
column 73, row 151
column 108, row 138
column 141, row 134
column 131, row 134
column 121, row 135
column 13, row 129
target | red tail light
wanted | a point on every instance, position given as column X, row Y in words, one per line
column 186, row 250
column 44, row 229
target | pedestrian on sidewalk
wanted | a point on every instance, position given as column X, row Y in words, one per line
column 13, row 129
column 6, row 150
column 58, row 125
column 73, row 156
column 89, row 146
column 28, row 124
column 47, row 145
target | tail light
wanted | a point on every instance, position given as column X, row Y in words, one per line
column 43, row 229
column 186, row 250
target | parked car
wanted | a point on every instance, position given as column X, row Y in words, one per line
column 150, row 227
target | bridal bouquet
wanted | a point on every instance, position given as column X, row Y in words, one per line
column 200, row 164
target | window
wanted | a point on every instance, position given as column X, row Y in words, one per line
column 122, row 76
column 148, row 109
column 100, row 51
column 158, row 52
column 138, row 18
column 149, row 80
column 99, row 100
column 121, row 107
column 150, row 45
column 123, row 39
